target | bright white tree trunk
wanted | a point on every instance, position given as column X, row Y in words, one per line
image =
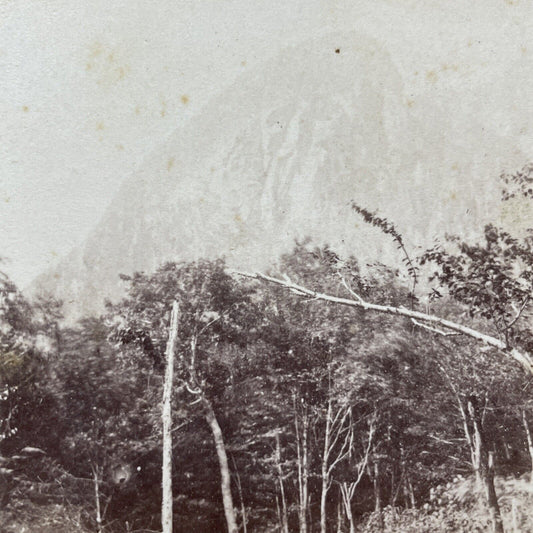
column 225, row 477
column 303, row 467
column 98, row 511
column 284, row 521
column 166, row 506
column 529, row 443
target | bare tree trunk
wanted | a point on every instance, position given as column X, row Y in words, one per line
column 166, row 505
column 395, row 487
column 241, row 497
column 348, row 488
column 514, row 515
column 492, row 497
column 408, row 493
column 350, row 518
column 225, row 478
column 529, row 443
column 339, row 517
column 411, row 492
column 377, row 495
column 303, row 468
column 278, row 511
column 506, row 450
column 482, row 460
column 284, row 515
column 347, row 491
column 485, row 466
column 324, row 472
column 338, row 440
column 304, row 477
column 98, row 511
column 466, row 424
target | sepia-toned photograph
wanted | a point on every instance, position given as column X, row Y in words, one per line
column 266, row 266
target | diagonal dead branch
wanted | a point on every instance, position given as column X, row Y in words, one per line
column 434, row 330
column 524, row 358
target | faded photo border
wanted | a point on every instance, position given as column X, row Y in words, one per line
column 266, row 266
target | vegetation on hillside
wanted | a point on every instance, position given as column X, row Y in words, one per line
column 292, row 409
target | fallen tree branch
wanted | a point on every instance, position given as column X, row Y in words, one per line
column 434, row 330
column 523, row 358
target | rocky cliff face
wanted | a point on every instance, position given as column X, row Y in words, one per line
column 279, row 156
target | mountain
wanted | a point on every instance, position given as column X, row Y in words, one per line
column 279, row 155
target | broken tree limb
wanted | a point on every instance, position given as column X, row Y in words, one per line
column 434, row 330
column 358, row 302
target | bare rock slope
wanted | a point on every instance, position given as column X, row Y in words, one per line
column 278, row 156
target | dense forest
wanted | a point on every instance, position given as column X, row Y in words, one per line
column 323, row 396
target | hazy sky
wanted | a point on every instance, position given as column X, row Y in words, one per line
column 88, row 88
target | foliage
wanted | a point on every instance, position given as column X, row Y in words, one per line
column 275, row 369
column 494, row 279
column 518, row 184
column 18, row 357
column 455, row 507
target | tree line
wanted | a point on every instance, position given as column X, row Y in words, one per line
column 320, row 396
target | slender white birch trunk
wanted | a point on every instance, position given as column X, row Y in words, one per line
column 529, row 443
column 98, row 510
column 225, row 477
column 284, row 522
column 325, row 470
column 166, row 505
